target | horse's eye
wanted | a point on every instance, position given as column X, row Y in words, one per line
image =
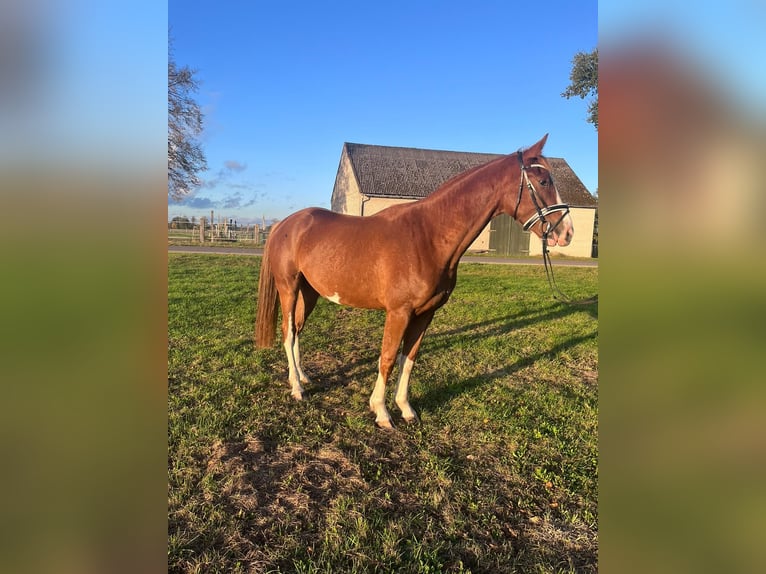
column 544, row 182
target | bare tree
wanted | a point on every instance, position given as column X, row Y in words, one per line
column 584, row 82
column 185, row 156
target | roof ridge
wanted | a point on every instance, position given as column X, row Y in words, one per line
column 440, row 150
column 357, row 144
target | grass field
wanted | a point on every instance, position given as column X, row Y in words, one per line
column 500, row 475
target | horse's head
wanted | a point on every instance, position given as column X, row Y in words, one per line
column 538, row 206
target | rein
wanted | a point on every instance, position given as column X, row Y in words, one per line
column 547, row 228
column 557, row 293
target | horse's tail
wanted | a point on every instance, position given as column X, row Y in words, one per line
column 266, row 314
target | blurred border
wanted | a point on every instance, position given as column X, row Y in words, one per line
column 681, row 155
column 83, row 425
column 83, row 88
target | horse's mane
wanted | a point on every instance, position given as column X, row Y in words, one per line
column 456, row 179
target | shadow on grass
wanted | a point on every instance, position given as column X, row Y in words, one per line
column 343, row 363
column 438, row 397
column 493, row 327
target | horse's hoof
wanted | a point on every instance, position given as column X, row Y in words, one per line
column 299, row 396
column 385, row 424
column 413, row 420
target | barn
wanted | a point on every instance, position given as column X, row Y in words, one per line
column 372, row 177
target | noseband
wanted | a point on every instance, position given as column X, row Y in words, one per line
column 541, row 210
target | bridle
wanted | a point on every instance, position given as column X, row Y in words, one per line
column 541, row 211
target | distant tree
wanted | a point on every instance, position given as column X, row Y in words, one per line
column 185, row 156
column 584, row 82
column 180, row 222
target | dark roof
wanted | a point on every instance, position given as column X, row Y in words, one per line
column 412, row 173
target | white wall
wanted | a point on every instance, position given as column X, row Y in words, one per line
column 583, row 220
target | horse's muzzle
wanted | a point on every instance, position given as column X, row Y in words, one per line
column 562, row 234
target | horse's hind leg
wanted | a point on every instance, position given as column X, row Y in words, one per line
column 288, row 297
column 307, row 299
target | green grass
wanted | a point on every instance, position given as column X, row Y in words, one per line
column 499, row 476
column 195, row 242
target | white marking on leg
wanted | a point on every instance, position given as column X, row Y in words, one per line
column 402, row 391
column 289, row 344
column 302, row 377
column 378, row 402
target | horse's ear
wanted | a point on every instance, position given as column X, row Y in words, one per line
column 536, row 150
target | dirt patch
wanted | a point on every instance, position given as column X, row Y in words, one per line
column 576, row 542
column 589, row 377
column 278, row 484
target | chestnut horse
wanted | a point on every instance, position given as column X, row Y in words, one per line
column 403, row 259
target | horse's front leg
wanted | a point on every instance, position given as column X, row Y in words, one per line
column 413, row 336
column 396, row 324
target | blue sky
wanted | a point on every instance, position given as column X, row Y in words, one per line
column 284, row 84
column 714, row 35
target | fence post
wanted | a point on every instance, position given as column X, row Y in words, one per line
column 202, row 222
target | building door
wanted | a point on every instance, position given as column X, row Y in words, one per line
column 507, row 238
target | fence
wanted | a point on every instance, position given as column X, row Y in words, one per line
column 203, row 232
